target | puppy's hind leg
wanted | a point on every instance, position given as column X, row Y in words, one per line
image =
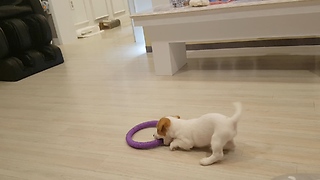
column 217, row 144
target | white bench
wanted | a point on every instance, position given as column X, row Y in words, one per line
column 169, row 29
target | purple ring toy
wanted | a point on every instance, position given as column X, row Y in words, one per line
column 143, row 145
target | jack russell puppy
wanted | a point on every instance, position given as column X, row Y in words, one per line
column 213, row 129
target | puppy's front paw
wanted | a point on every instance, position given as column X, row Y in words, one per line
column 205, row 161
column 173, row 147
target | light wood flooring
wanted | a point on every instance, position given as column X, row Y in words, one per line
column 70, row 122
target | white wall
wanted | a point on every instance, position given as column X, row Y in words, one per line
column 63, row 22
column 97, row 10
column 142, row 5
column 70, row 15
column 137, row 6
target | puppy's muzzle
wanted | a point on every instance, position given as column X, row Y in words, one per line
column 155, row 136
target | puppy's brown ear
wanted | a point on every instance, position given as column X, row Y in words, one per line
column 162, row 126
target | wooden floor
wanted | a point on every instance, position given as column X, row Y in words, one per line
column 69, row 122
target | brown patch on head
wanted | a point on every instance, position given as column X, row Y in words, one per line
column 163, row 125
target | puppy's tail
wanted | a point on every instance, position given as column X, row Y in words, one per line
column 236, row 116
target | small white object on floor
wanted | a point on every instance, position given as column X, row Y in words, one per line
column 88, row 31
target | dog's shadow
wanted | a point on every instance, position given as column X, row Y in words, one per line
column 208, row 150
column 230, row 156
column 238, row 155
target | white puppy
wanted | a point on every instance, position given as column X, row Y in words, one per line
column 212, row 129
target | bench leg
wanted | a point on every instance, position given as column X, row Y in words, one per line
column 168, row 57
